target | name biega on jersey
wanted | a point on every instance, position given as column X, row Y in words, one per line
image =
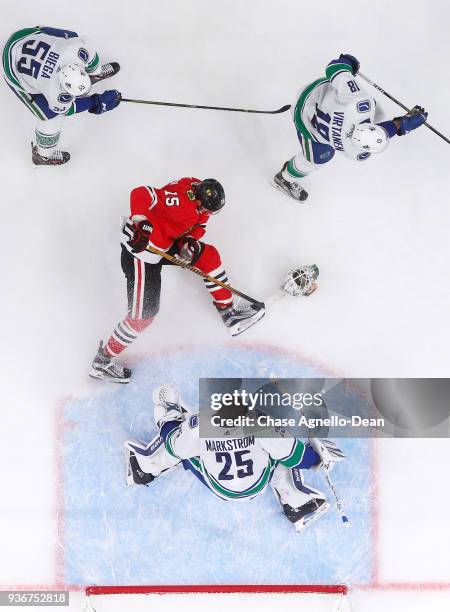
column 229, row 445
column 49, row 64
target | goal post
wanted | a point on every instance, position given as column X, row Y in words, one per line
column 218, row 598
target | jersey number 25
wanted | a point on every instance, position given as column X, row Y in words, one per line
column 227, row 458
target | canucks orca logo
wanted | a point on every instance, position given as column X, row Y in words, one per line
column 65, row 98
column 362, row 156
column 83, row 55
column 364, row 106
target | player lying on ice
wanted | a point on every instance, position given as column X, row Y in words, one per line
column 173, row 219
column 335, row 114
column 237, row 467
column 51, row 71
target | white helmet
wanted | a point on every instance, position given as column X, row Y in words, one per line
column 370, row 138
column 74, row 80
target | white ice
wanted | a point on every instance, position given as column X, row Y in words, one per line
column 378, row 231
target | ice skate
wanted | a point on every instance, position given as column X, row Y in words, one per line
column 240, row 318
column 307, row 514
column 145, row 462
column 106, row 368
column 57, row 158
column 290, row 188
column 108, row 70
column 134, row 473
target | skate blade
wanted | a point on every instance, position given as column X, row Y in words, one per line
column 242, row 327
column 312, row 518
column 101, row 376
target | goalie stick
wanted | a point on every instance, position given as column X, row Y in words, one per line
column 388, row 95
column 283, row 109
column 344, row 517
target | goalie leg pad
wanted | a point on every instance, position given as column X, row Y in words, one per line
column 151, row 459
column 301, row 504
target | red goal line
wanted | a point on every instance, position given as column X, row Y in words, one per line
column 221, row 588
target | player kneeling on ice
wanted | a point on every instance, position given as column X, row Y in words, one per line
column 51, row 71
column 236, row 467
column 332, row 114
column 171, row 219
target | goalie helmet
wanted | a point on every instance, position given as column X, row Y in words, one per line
column 211, row 195
column 74, row 80
column 301, row 281
column 370, row 138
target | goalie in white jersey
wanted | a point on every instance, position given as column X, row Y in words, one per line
column 332, row 114
column 51, row 71
column 237, row 467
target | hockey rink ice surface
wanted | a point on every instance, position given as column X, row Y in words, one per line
column 378, row 232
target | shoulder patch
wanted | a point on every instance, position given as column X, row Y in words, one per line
column 190, row 195
column 83, row 55
column 65, row 98
column 363, row 106
column 193, row 421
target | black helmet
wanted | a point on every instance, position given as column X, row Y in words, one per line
column 211, row 195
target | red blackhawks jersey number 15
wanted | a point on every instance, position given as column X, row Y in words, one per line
column 173, row 212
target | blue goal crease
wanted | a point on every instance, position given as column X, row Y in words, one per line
column 176, row 531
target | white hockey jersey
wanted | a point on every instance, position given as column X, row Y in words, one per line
column 33, row 58
column 236, row 467
column 327, row 110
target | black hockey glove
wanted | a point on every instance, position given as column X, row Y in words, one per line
column 189, row 250
column 412, row 120
column 141, row 235
column 352, row 61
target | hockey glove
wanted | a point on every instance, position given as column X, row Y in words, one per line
column 411, row 121
column 328, row 452
column 351, row 60
column 101, row 103
column 189, row 250
column 141, row 235
column 167, row 401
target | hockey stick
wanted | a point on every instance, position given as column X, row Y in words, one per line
column 222, row 108
column 388, row 95
column 211, row 279
column 336, row 497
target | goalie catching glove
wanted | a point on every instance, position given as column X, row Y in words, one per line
column 167, row 401
column 328, row 452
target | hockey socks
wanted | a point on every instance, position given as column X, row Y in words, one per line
column 124, row 334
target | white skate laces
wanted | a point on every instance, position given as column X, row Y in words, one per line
column 301, row 281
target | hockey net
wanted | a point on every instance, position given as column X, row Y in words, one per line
column 215, row 598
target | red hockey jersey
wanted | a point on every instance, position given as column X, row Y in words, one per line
column 173, row 212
